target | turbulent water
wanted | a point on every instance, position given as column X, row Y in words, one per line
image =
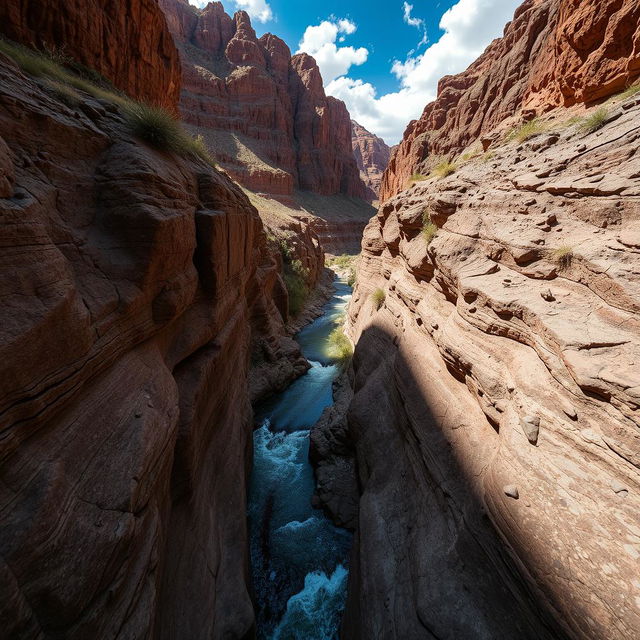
column 299, row 558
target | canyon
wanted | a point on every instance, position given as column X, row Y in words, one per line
column 265, row 115
column 478, row 452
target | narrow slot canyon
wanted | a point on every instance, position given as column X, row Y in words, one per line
column 290, row 355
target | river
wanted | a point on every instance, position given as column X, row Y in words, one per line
column 299, row 558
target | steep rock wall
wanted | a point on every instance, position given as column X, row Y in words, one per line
column 127, row 42
column 137, row 289
column 554, row 53
column 495, row 410
column 372, row 157
column 263, row 112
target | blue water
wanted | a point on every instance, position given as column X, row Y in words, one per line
column 299, row 559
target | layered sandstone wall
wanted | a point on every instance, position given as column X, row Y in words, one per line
column 137, row 289
column 127, row 42
column 263, row 113
column 495, row 416
column 554, row 53
column 372, row 157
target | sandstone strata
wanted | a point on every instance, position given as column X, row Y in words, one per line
column 127, row 42
column 554, row 53
column 263, row 113
column 495, row 415
column 137, row 287
column 372, row 156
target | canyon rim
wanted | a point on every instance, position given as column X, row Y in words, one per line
column 267, row 374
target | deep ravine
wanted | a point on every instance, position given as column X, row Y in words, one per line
column 298, row 557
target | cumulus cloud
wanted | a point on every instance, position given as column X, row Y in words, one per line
column 259, row 10
column 319, row 41
column 469, row 26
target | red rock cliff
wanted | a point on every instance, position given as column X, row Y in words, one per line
column 127, row 42
column 133, row 282
column 372, row 156
column 263, row 112
column 554, row 53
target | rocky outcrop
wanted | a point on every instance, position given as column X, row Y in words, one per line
column 137, row 291
column 554, row 53
column 372, row 156
column 263, row 113
column 495, row 414
column 127, row 42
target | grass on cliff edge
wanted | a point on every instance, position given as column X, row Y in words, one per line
column 526, row 131
column 378, row 297
column 152, row 124
column 339, row 346
column 595, row 121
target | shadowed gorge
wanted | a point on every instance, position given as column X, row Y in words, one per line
column 238, row 402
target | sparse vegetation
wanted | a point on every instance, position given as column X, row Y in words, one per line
column 63, row 77
column 416, row 177
column 595, row 121
column 429, row 230
column 378, row 297
column 563, row 255
column 444, row 169
column 339, row 346
column 632, row 90
column 347, row 264
column 295, row 279
column 526, row 131
column 488, row 156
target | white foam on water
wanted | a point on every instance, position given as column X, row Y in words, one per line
column 311, row 613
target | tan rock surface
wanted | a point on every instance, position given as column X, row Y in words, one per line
column 495, row 415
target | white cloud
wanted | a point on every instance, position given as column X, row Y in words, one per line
column 257, row 9
column 469, row 26
column 408, row 18
column 319, row 41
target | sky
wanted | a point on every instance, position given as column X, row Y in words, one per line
column 382, row 57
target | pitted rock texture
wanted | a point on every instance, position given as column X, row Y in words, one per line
column 495, row 416
column 127, row 42
column 263, row 113
column 554, row 53
column 372, row 157
column 137, row 288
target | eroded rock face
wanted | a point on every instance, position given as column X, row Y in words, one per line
column 372, row 156
column 495, row 416
column 263, row 112
column 127, row 42
column 554, row 53
column 137, row 289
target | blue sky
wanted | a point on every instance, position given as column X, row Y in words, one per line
column 383, row 58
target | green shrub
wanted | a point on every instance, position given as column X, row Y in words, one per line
column 429, row 230
column 525, row 131
column 444, row 169
column 295, row 280
column 156, row 126
column 562, row 255
column 378, row 297
column 595, row 121
column 339, row 346
column 351, row 278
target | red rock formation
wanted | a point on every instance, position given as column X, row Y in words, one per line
column 496, row 393
column 263, row 113
column 554, row 53
column 127, row 42
column 372, row 156
column 137, row 288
